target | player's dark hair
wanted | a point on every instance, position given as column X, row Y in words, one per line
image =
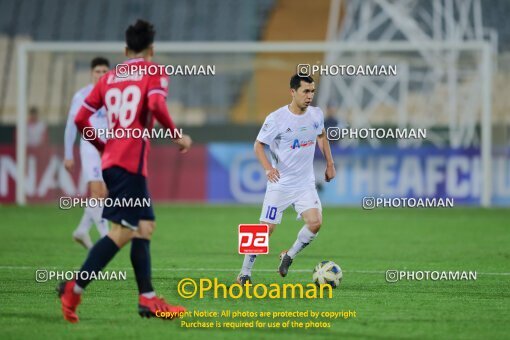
column 97, row 61
column 140, row 35
column 295, row 81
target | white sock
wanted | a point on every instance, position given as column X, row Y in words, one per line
column 249, row 261
column 77, row 289
column 85, row 223
column 305, row 236
column 101, row 223
column 149, row 295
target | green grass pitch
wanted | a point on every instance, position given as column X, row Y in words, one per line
column 188, row 237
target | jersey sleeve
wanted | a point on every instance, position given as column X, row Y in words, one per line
column 71, row 130
column 157, row 105
column 94, row 100
column 158, row 84
column 269, row 131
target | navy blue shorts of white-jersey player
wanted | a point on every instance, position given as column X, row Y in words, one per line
column 292, row 132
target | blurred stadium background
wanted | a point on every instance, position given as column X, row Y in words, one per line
column 453, row 79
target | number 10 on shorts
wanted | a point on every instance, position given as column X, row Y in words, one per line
column 253, row 239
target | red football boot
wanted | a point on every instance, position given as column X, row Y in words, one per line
column 70, row 300
column 148, row 308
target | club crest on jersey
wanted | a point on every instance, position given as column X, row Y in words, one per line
column 301, row 144
column 315, row 125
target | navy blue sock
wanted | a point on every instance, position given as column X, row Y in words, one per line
column 141, row 261
column 99, row 256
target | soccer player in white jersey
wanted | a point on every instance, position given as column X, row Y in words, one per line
column 291, row 132
column 90, row 158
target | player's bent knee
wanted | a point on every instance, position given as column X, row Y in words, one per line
column 145, row 229
column 271, row 227
column 120, row 235
column 314, row 225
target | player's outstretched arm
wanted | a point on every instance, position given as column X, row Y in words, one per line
column 157, row 105
column 325, row 148
column 70, row 135
column 272, row 174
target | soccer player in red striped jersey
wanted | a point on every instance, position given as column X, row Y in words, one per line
column 132, row 101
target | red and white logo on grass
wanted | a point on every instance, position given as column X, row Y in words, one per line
column 253, row 239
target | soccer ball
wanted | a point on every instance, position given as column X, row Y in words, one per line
column 327, row 272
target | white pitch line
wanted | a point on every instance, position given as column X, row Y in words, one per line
column 378, row 272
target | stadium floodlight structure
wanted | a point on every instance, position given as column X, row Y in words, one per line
column 26, row 49
column 444, row 81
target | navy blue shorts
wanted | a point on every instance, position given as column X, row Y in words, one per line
column 124, row 186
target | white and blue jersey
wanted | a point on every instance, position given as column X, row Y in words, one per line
column 90, row 158
column 292, row 139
